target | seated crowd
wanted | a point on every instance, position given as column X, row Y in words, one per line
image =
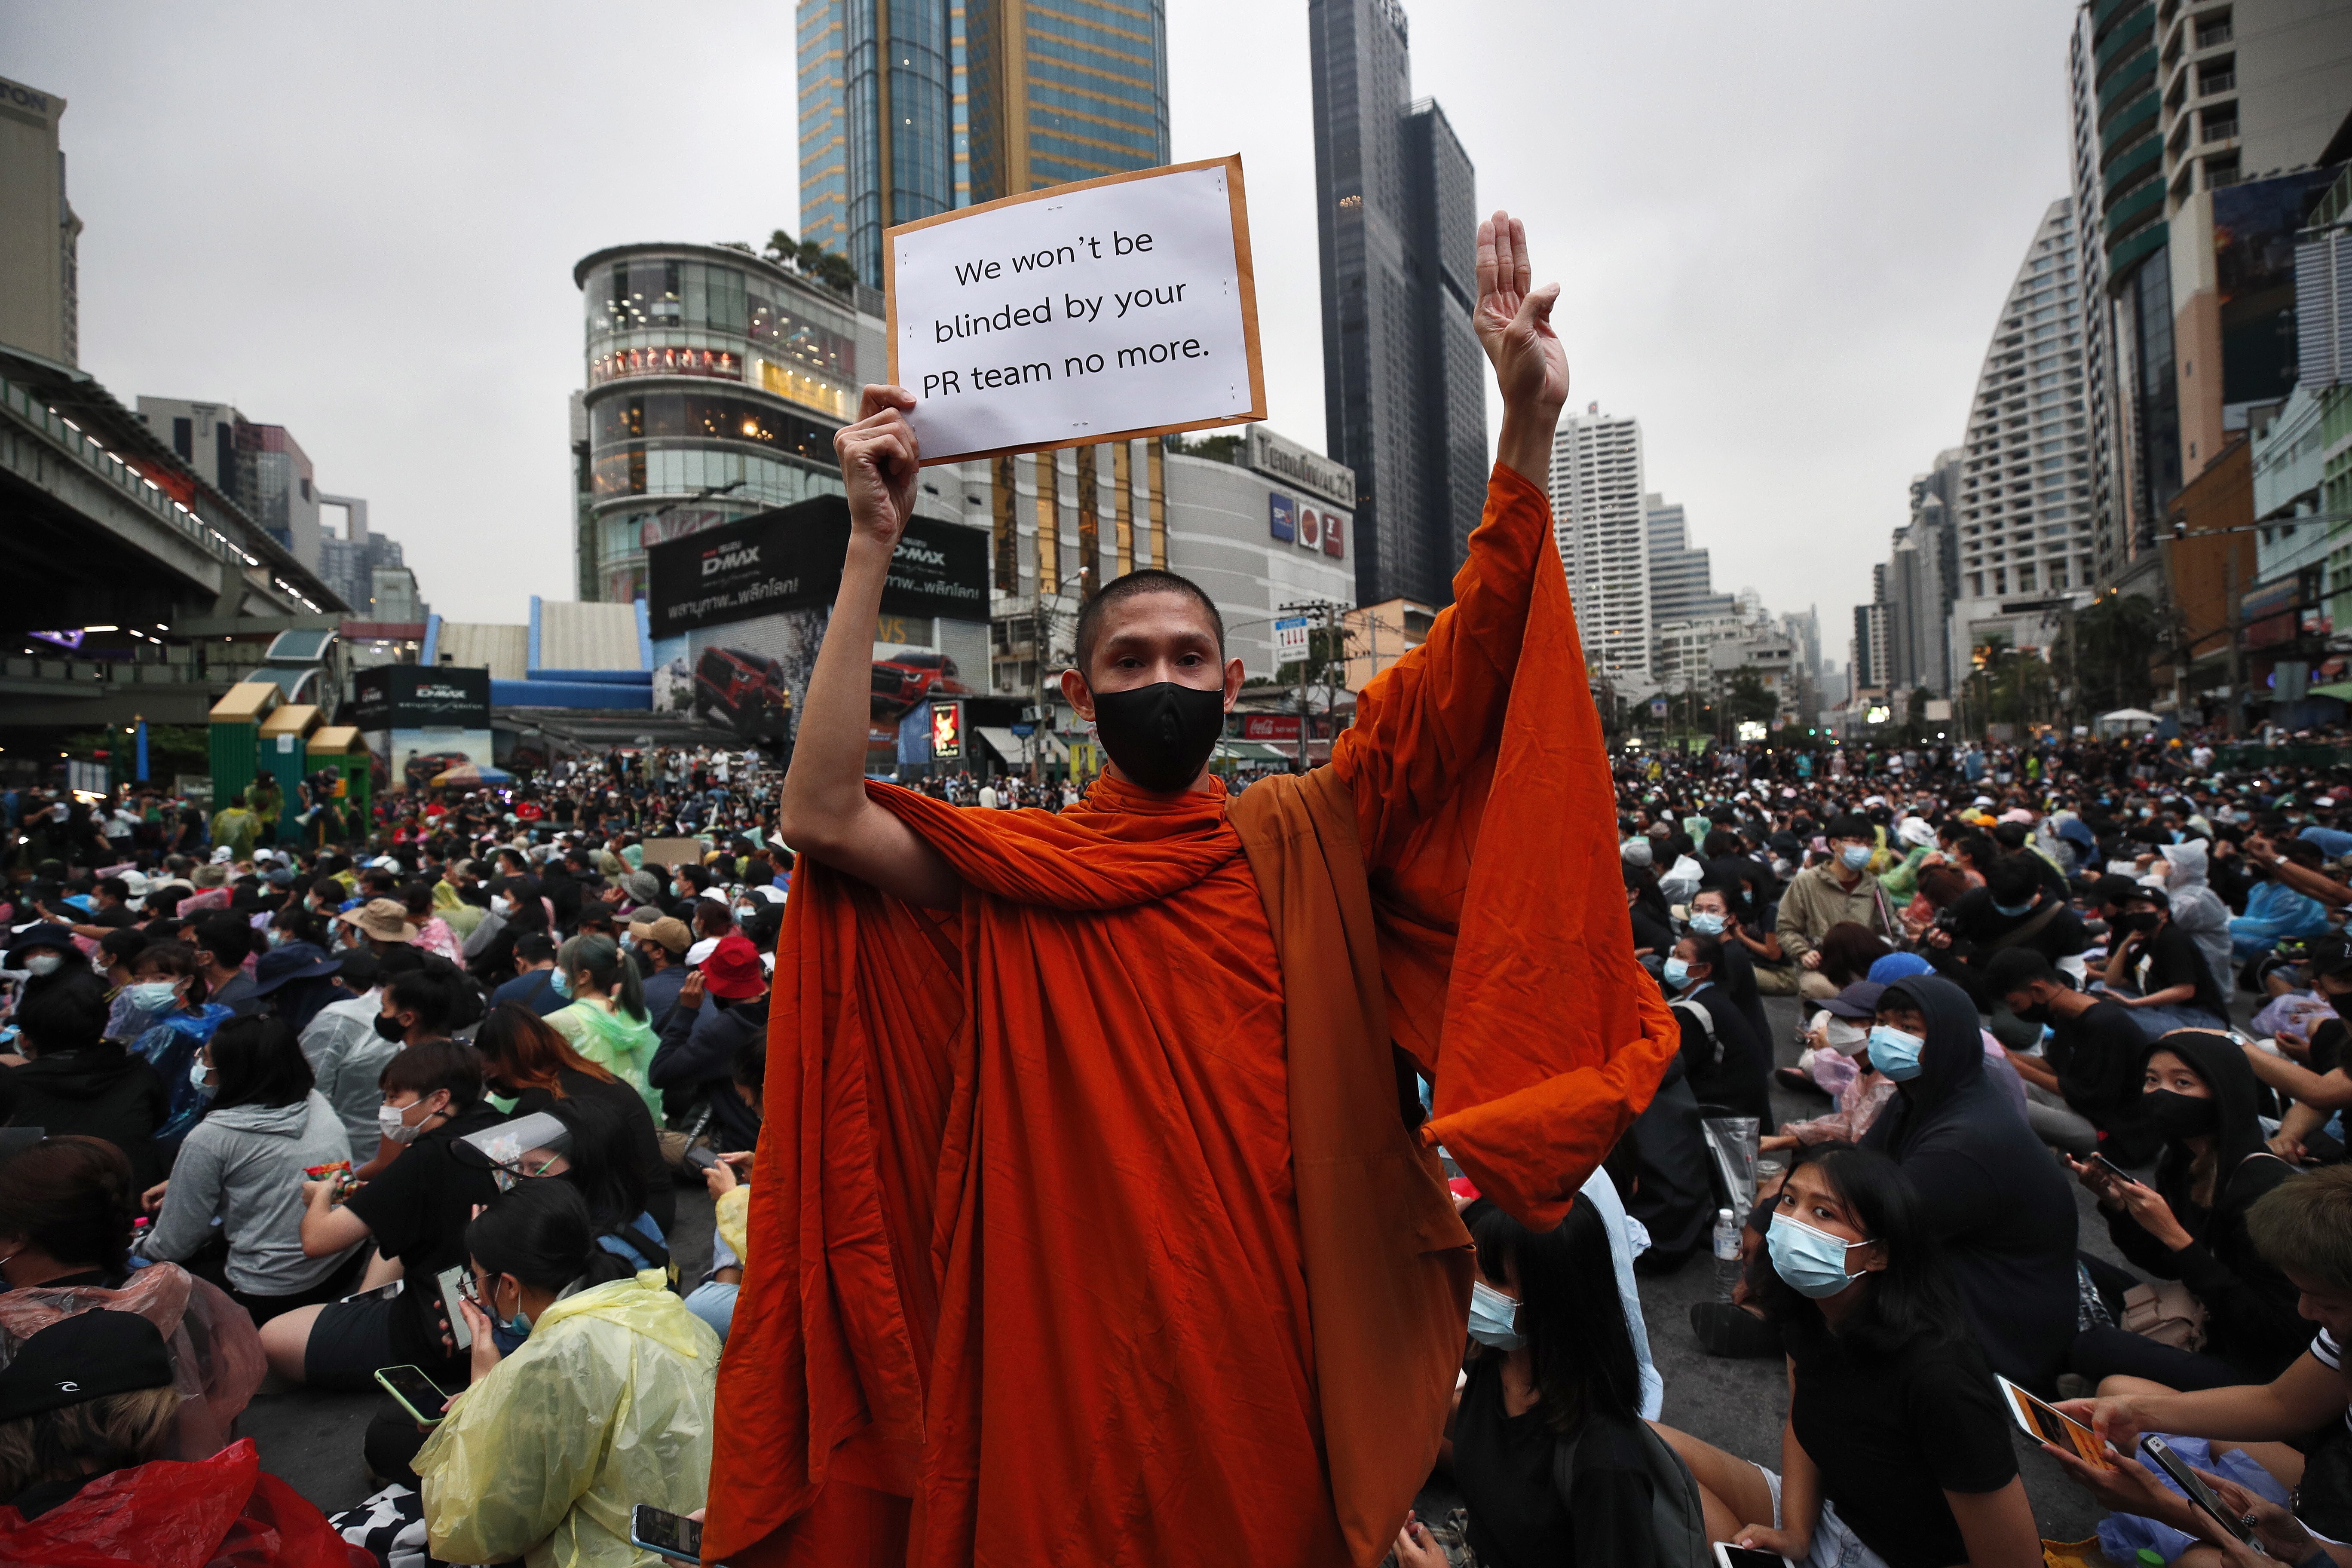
column 418, row 1128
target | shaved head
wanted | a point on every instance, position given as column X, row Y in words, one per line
column 1149, row 580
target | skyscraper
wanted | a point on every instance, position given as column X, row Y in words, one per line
column 39, row 278
column 909, row 107
column 1604, row 544
column 1403, row 390
column 2117, row 164
column 2024, row 506
column 1681, row 578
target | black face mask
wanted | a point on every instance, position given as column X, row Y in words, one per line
column 2140, row 921
column 391, row 1029
column 1161, row 735
column 2179, row 1116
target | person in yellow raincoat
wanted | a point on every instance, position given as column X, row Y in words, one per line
column 607, row 1403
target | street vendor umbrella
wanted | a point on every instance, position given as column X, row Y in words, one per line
column 471, row 773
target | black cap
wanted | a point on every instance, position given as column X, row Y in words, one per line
column 295, row 961
column 1857, row 1001
column 2330, row 954
column 87, row 1356
column 33, row 937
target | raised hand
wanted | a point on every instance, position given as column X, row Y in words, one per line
column 1514, row 321
column 880, row 459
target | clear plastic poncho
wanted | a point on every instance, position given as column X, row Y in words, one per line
column 609, row 1404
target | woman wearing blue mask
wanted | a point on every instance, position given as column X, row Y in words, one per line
column 1750, row 965
column 1895, row 1450
column 1553, row 1366
column 167, row 985
column 1722, row 1056
column 1990, row 1191
column 608, row 1401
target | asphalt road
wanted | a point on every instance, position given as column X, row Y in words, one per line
column 313, row 1439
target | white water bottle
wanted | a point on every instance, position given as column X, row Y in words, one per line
column 1726, row 1254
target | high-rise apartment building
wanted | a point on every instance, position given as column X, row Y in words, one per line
column 2257, row 109
column 1404, row 387
column 39, row 280
column 2024, row 500
column 1922, row 579
column 260, row 467
column 1605, row 542
column 911, row 108
column 2132, row 410
column 1680, row 579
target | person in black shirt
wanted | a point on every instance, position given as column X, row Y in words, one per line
column 2014, row 909
column 1726, row 1062
column 1720, row 913
column 416, row 1211
column 1988, row 1188
column 2175, row 988
column 524, row 1059
column 1554, row 1364
column 2189, row 1224
column 2091, row 1065
column 1653, row 933
column 1895, row 1440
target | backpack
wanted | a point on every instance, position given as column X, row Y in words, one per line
column 1678, row 1521
column 1691, row 1007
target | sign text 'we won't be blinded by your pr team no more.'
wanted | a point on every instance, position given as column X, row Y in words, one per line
column 1094, row 311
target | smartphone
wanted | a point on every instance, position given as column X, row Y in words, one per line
column 2046, row 1425
column 671, row 1534
column 2112, row 1168
column 381, row 1293
column 414, row 1392
column 1729, row 1556
column 452, row 1280
column 700, row 1159
column 2193, row 1484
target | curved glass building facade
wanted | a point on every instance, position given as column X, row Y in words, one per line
column 715, row 380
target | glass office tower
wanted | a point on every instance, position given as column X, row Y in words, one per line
column 911, row 108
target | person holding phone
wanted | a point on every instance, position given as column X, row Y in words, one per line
column 415, row 1212
column 609, row 1402
column 2295, row 1426
column 1896, row 1449
column 1553, row 1365
column 2189, row 1224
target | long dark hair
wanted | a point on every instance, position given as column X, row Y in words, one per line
column 522, row 1052
column 1569, row 1311
column 540, row 1232
column 603, row 1162
column 1912, row 1300
column 258, row 1061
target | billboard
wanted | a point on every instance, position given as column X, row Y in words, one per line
column 737, row 612
column 790, row 559
column 419, row 720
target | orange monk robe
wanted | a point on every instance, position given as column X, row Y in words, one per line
column 1089, row 1226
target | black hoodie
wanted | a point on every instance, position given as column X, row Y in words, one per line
column 1993, row 1195
column 104, row 1092
column 2249, row 1316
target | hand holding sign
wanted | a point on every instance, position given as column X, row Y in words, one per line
column 1087, row 313
column 879, row 464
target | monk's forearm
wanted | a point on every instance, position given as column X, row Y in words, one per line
column 1524, row 445
column 825, row 789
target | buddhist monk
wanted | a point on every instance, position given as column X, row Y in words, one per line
column 1096, row 1218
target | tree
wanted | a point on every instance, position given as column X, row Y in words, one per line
column 2114, row 638
column 1749, row 699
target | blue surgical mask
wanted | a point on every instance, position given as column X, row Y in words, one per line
column 1854, row 856
column 558, row 982
column 154, row 995
column 2012, row 911
column 1812, row 1261
column 1707, row 923
column 1494, row 1318
column 1677, row 973
column 1895, row 1053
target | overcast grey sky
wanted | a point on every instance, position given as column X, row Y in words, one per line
column 1784, row 232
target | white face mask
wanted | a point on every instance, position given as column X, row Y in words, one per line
column 393, row 1123
column 45, row 962
column 500, row 904
column 1847, row 1038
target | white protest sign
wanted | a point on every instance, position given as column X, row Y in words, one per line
column 1092, row 311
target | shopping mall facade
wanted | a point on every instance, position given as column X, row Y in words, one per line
column 714, row 383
